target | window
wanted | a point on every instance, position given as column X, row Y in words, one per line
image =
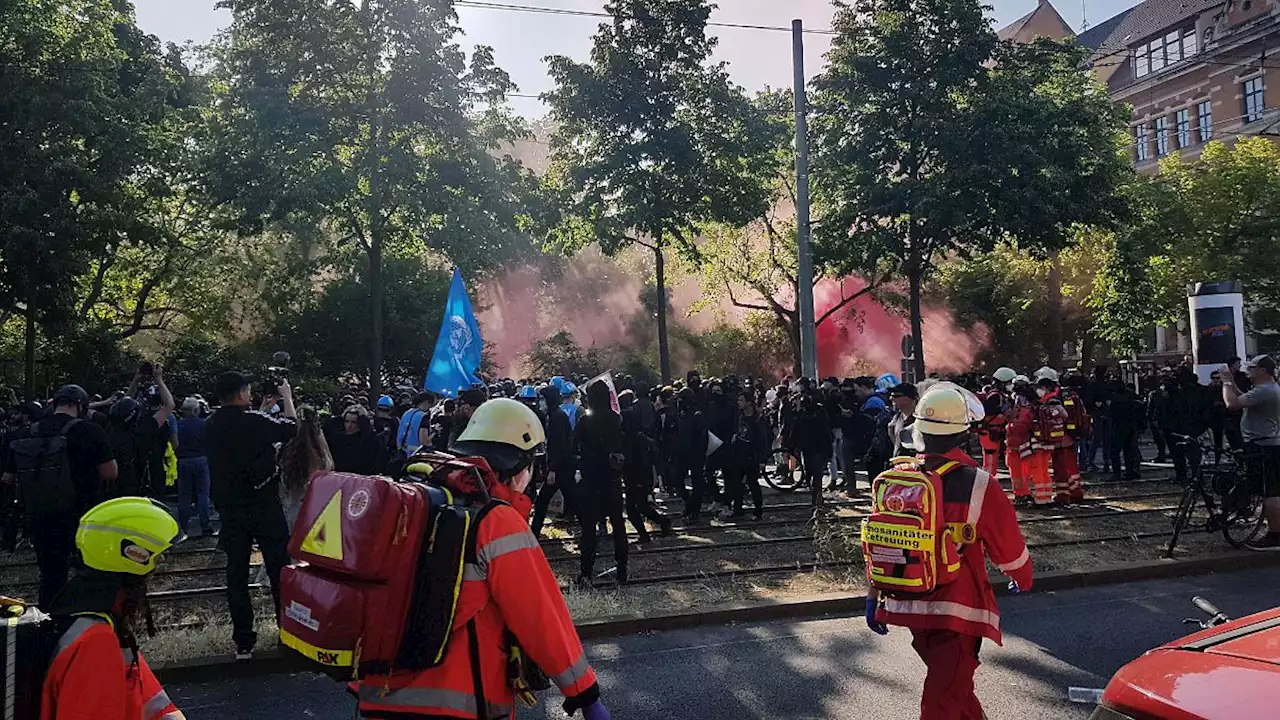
column 1162, row 136
column 1183, row 124
column 1156, row 48
column 1143, row 140
column 1189, row 43
column 1204, row 115
column 1253, row 101
column 1141, row 62
column 1173, row 47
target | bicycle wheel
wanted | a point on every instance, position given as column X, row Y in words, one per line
column 1182, row 518
column 783, row 479
column 1242, row 518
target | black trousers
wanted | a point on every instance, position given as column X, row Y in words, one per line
column 1157, row 436
column 640, row 509
column 10, row 517
column 53, row 535
column 566, row 486
column 815, row 468
column 691, row 468
column 743, row 478
column 262, row 520
column 601, row 499
column 1124, row 443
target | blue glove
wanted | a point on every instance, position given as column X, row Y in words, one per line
column 1013, row 587
column 877, row 627
column 595, row 711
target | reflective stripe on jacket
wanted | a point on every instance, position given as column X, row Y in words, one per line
column 967, row 604
column 510, row 586
column 93, row 678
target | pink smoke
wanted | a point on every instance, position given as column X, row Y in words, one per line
column 864, row 337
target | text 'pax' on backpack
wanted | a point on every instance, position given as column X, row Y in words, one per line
column 907, row 546
column 378, row 573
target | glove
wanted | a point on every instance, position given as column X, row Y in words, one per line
column 1013, row 587
column 595, row 711
column 877, row 627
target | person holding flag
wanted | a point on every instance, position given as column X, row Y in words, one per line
column 457, row 355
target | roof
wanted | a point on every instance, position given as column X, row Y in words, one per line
column 1012, row 28
column 1011, row 31
column 1142, row 21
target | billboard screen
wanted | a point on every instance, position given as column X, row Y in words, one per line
column 1217, row 331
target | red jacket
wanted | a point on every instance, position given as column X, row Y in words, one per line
column 93, row 678
column 1022, row 427
column 967, row 604
column 510, row 587
column 1053, row 402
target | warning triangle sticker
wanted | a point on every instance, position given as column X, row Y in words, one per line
column 325, row 536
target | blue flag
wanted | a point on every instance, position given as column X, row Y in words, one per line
column 457, row 355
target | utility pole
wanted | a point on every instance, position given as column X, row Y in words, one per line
column 804, row 294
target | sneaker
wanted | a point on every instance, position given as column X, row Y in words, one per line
column 666, row 529
column 182, row 537
column 210, row 533
column 244, row 654
column 1267, row 543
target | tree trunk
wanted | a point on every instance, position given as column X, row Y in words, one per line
column 1054, row 351
column 914, row 273
column 1088, row 346
column 30, row 350
column 790, row 324
column 664, row 351
column 376, row 292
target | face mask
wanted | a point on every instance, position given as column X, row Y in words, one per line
column 521, row 481
column 1041, row 392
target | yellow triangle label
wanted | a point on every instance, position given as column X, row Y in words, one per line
column 325, row 537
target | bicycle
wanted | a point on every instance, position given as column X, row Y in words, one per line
column 1237, row 509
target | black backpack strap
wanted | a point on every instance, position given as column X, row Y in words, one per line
column 67, row 428
column 476, row 519
column 482, row 707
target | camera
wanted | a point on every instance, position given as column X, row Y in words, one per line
column 276, row 373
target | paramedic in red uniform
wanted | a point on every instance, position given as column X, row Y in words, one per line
column 1067, row 488
column 97, row 672
column 509, row 589
column 949, row 625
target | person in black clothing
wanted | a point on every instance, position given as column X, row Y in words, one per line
column 442, row 425
column 357, row 448
column 1186, row 413
column 92, row 467
column 1128, row 420
column 559, row 459
column 749, row 447
column 1157, row 399
column 121, row 425
column 468, row 401
column 1231, row 424
column 639, row 470
column 690, row 452
column 600, row 446
column 18, row 423
column 1218, row 413
column 665, row 407
column 1097, row 399
column 811, row 437
column 241, row 447
column 721, row 421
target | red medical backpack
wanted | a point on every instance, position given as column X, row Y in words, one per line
column 907, row 545
column 1051, row 424
column 377, row 573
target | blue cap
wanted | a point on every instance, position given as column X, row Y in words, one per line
column 386, row 403
column 886, row 382
column 528, row 392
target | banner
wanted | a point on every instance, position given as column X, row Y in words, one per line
column 457, row 356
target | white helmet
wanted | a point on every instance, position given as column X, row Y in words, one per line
column 1022, row 380
column 947, row 409
column 1005, row 374
column 1047, row 373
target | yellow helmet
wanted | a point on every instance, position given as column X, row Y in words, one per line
column 125, row 535
column 505, row 432
column 947, row 409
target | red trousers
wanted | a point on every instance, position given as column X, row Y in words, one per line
column 1066, row 475
column 990, row 454
column 1021, row 483
column 951, row 660
column 1036, row 468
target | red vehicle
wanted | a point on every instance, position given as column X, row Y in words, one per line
column 1230, row 670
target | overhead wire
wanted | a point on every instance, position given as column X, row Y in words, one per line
column 546, row 10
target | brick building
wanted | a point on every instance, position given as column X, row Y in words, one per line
column 1193, row 71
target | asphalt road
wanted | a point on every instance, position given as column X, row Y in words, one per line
column 832, row 668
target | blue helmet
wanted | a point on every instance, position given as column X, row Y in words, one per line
column 568, row 389
column 886, row 382
column 528, row 392
column 386, row 403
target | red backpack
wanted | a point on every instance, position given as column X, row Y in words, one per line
column 379, row 567
column 906, row 544
column 1079, row 424
column 1051, row 424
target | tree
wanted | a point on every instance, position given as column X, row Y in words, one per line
column 1213, row 219
column 933, row 138
column 365, row 120
column 653, row 140
column 83, row 95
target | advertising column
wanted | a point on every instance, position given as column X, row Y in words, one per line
column 1217, row 325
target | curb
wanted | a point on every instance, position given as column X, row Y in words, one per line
column 275, row 662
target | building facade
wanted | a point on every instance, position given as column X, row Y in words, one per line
column 1193, row 71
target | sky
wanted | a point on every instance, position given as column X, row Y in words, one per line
column 756, row 58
